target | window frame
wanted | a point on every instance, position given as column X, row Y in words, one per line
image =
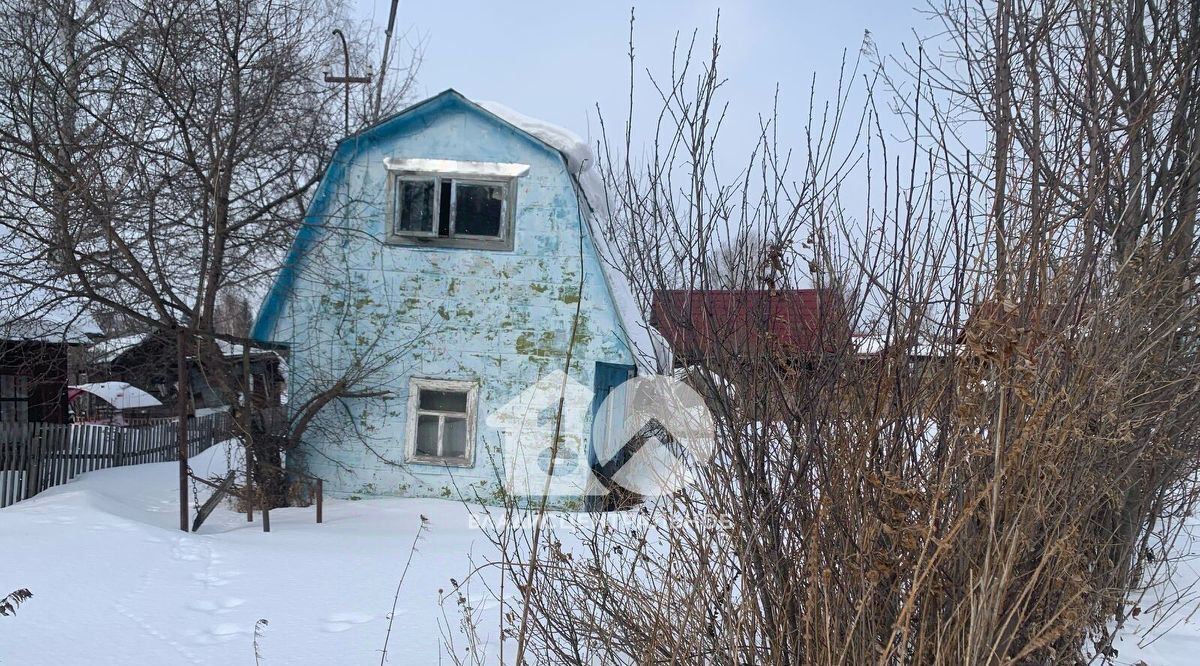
column 503, row 184
column 395, row 205
column 503, row 242
column 12, row 386
column 415, row 385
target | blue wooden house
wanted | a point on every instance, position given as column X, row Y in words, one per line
column 448, row 250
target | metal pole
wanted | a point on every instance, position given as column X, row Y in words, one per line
column 383, row 64
column 345, row 73
column 181, row 394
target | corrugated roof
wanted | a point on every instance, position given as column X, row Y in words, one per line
column 786, row 322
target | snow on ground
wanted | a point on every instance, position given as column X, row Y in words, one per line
column 1172, row 636
column 114, row 581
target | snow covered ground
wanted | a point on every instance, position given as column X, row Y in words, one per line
column 115, row 581
column 1158, row 637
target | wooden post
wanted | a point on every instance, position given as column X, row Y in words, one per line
column 320, row 498
column 181, row 372
column 244, row 426
column 249, row 484
column 266, row 519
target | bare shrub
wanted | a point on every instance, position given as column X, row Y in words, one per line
column 987, row 449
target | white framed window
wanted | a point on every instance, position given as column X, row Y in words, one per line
column 441, row 421
column 451, row 203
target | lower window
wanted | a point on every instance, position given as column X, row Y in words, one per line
column 441, row 421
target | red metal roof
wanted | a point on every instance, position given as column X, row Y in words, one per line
column 785, row 322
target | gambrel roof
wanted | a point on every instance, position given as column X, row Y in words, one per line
column 578, row 161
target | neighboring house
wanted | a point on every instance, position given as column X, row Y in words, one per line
column 783, row 325
column 37, row 359
column 455, row 237
column 144, row 360
column 148, row 361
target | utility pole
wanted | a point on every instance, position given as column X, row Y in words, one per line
column 383, row 64
column 345, row 78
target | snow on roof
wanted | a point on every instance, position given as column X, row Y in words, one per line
column 107, row 351
column 582, row 165
column 874, row 343
column 119, row 394
column 23, row 319
column 36, row 304
column 234, row 350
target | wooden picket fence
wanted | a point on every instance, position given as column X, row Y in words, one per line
column 37, row 456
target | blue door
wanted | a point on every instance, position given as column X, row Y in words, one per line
column 606, row 417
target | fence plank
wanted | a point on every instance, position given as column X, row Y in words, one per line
column 90, row 449
column 95, row 452
column 54, row 454
column 6, row 447
column 40, row 457
column 7, row 473
column 58, row 434
column 108, row 452
column 16, row 463
column 50, row 434
column 33, row 468
column 62, row 467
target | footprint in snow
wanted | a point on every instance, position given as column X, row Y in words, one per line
column 112, row 526
column 342, row 621
column 55, row 520
column 216, row 607
column 211, row 580
column 221, row 633
column 189, row 550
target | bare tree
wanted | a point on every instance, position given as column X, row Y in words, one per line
column 158, row 156
column 1004, row 463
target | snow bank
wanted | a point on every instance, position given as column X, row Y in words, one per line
column 1157, row 636
column 115, row 582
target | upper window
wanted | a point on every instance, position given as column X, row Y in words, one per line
column 452, row 203
column 450, row 208
column 441, row 422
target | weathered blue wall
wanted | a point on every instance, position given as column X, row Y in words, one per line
column 500, row 318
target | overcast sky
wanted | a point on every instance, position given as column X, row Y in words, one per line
column 557, row 59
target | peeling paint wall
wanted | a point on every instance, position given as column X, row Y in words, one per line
column 499, row 318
